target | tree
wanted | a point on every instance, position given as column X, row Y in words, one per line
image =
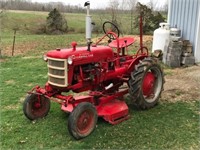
column 132, row 4
column 114, row 4
column 150, row 20
column 56, row 23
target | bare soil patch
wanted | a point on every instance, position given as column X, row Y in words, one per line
column 182, row 84
column 20, row 48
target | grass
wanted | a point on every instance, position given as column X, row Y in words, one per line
column 167, row 126
column 28, row 22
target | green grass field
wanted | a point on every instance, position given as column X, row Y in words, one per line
column 167, row 126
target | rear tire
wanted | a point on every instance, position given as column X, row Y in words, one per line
column 146, row 84
column 34, row 108
column 82, row 121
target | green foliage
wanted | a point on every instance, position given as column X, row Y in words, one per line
column 150, row 20
column 158, row 18
column 56, row 23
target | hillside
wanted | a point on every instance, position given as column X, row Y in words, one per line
column 29, row 24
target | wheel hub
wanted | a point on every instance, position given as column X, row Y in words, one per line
column 84, row 122
column 37, row 105
column 148, row 84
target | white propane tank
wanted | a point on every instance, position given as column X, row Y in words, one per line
column 161, row 37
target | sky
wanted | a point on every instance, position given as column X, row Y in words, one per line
column 95, row 3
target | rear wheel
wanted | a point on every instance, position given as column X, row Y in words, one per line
column 36, row 106
column 82, row 120
column 146, row 84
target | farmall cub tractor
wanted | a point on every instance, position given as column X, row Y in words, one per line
column 107, row 72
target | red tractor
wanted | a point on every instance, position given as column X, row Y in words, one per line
column 106, row 72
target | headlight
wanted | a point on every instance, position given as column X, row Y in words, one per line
column 69, row 60
column 45, row 58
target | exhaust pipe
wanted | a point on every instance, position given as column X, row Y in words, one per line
column 88, row 21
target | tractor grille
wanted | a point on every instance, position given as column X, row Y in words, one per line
column 57, row 72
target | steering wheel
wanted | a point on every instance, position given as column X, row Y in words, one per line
column 110, row 27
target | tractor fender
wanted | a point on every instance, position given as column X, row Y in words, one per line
column 135, row 61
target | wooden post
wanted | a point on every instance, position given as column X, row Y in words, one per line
column 13, row 48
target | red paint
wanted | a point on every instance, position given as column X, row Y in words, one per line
column 148, row 84
column 74, row 44
column 102, row 71
column 85, row 121
column 114, row 111
column 37, row 105
column 123, row 42
column 81, row 54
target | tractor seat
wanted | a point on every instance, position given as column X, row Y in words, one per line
column 123, row 42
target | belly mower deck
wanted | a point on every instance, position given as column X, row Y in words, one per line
column 114, row 111
column 108, row 107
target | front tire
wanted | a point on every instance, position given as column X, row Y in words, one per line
column 82, row 121
column 146, row 84
column 36, row 106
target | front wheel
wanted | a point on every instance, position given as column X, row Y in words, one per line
column 146, row 84
column 36, row 106
column 82, row 120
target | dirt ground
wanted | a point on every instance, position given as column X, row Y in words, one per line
column 182, row 84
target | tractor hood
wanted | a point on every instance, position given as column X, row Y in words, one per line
column 82, row 55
